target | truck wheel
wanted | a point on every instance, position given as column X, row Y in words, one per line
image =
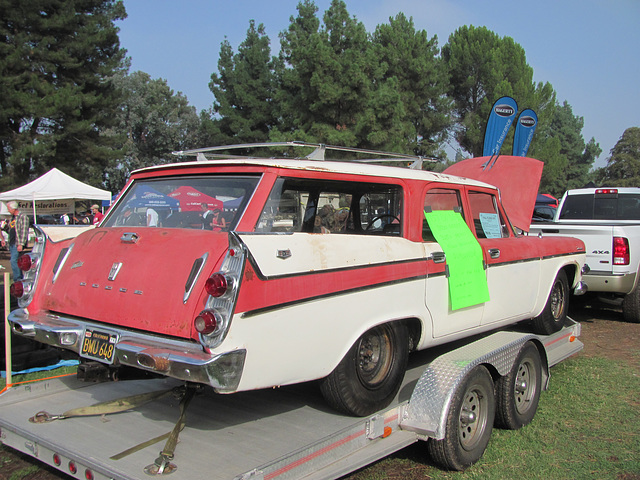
column 631, row 306
column 554, row 315
column 469, row 423
column 518, row 392
column 370, row 374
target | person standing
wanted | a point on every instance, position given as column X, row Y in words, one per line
column 97, row 214
column 152, row 218
column 18, row 230
column 206, row 217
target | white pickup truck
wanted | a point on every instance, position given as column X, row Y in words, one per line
column 608, row 221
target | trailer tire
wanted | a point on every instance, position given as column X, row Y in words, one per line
column 469, row 423
column 631, row 306
column 370, row 374
column 554, row 315
column 518, row 392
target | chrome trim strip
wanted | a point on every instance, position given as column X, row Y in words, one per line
column 189, row 287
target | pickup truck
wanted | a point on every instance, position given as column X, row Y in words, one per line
column 608, row 221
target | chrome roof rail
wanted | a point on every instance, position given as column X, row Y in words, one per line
column 209, row 153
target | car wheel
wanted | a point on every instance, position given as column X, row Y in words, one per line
column 469, row 423
column 369, row 376
column 518, row 392
column 554, row 315
column 631, row 306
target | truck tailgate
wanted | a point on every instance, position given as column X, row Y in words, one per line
column 597, row 239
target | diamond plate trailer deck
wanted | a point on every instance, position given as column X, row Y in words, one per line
column 283, row 433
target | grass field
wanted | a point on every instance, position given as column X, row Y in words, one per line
column 587, row 427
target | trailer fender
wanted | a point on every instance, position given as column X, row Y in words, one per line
column 426, row 413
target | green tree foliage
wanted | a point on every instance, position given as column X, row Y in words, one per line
column 483, row 67
column 573, row 157
column 244, row 90
column 623, row 166
column 154, row 122
column 56, row 98
column 409, row 111
column 324, row 77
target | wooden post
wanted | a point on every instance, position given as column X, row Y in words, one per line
column 7, row 328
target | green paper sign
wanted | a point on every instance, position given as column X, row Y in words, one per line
column 467, row 278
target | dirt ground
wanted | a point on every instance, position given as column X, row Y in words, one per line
column 604, row 334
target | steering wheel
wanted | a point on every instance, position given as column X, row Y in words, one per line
column 378, row 217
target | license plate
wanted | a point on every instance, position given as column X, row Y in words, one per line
column 99, row 345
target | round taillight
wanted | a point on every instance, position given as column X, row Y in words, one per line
column 57, row 461
column 216, row 285
column 88, row 474
column 206, row 322
column 72, row 467
column 25, row 262
column 17, row 289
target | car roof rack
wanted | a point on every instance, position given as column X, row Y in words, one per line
column 208, row 153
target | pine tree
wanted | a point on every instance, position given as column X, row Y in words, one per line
column 57, row 59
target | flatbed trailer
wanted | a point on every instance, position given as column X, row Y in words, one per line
column 282, row 433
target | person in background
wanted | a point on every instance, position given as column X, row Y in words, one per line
column 18, row 230
column 129, row 218
column 206, row 217
column 152, row 218
column 97, row 214
column 218, row 222
column 65, row 219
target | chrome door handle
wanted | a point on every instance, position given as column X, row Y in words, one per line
column 494, row 253
column 438, row 257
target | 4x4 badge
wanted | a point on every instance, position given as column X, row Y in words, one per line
column 115, row 268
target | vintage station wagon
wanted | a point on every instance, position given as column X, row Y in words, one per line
column 265, row 272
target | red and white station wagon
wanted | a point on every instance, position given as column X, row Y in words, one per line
column 267, row 272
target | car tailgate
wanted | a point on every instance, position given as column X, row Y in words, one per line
column 136, row 280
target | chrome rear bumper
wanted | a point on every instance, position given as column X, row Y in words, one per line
column 174, row 358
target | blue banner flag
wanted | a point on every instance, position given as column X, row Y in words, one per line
column 526, row 125
column 502, row 116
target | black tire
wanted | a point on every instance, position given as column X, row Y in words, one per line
column 469, row 423
column 631, row 306
column 554, row 315
column 518, row 392
column 369, row 376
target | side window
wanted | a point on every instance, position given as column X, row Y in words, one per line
column 439, row 199
column 319, row 206
column 487, row 220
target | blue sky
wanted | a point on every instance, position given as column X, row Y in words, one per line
column 589, row 50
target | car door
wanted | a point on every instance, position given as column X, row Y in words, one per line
column 512, row 262
column 446, row 320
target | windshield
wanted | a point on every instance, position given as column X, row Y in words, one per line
column 207, row 202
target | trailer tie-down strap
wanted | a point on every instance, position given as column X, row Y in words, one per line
column 103, row 408
column 162, row 464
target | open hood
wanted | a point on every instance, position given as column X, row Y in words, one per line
column 518, row 179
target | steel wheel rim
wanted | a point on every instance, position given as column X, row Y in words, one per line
column 473, row 417
column 374, row 357
column 557, row 301
column 525, row 387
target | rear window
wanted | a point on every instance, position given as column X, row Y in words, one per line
column 320, row 206
column 211, row 202
column 601, row 207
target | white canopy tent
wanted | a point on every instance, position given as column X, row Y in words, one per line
column 53, row 192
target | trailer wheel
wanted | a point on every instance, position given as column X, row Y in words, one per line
column 554, row 315
column 469, row 423
column 369, row 376
column 518, row 392
column 631, row 306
